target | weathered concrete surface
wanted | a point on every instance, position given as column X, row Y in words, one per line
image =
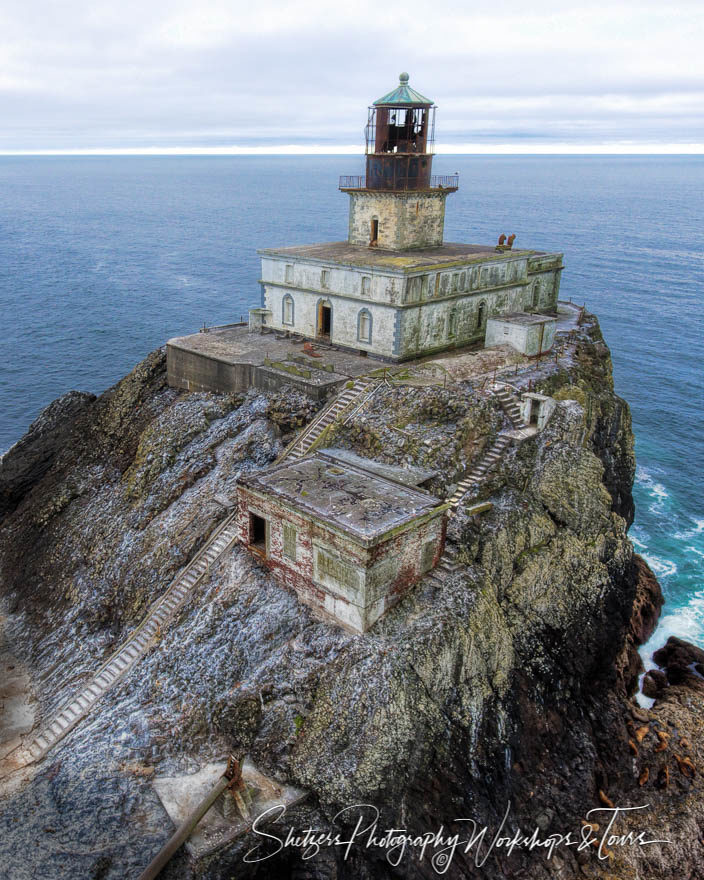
column 232, row 360
column 414, row 302
column 406, row 220
column 510, row 683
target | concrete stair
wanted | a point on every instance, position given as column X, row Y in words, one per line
column 357, row 394
column 510, row 405
column 486, row 463
column 129, row 653
column 446, row 566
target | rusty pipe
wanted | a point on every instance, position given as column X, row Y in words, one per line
column 184, row 831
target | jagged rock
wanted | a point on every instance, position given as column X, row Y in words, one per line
column 32, row 456
column 653, row 682
column 509, row 683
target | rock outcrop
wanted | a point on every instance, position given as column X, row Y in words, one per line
column 506, row 689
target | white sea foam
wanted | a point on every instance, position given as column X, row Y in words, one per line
column 690, row 533
column 638, row 539
column 663, row 568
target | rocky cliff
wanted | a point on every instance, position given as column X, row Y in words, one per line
column 503, row 696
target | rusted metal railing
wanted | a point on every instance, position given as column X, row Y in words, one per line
column 437, row 181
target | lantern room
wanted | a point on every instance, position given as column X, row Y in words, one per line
column 399, row 140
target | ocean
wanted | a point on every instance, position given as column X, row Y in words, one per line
column 102, row 259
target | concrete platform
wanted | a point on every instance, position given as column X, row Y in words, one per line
column 231, row 359
column 222, row 824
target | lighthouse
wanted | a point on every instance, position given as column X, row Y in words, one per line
column 399, row 205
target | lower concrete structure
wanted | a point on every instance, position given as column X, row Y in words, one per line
column 348, row 541
column 536, row 409
column 231, row 359
column 529, row 334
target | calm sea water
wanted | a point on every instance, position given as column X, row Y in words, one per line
column 102, row 259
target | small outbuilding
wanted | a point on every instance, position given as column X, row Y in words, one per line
column 348, row 540
column 530, row 334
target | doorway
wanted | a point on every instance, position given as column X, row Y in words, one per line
column 257, row 533
column 374, row 234
column 324, row 321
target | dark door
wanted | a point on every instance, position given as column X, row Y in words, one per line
column 324, row 321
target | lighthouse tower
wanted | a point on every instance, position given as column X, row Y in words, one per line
column 398, row 205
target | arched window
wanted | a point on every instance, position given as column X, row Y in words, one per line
column 287, row 310
column 481, row 315
column 364, row 326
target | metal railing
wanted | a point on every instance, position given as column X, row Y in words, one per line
column 437, row 181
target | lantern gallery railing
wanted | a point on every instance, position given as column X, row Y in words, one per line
column 437, row 181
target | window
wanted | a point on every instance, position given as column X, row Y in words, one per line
column 481, row 315
column 325, row 279
column 463, row 280
column 364, row 326
column 290, row 537
column 536, row 294
column 287, row 310
column 414, row 289
column 444, row 283
column 455, row 281
column 452, row 323
column 289, row 275
column 366, row 285
column 374, row 233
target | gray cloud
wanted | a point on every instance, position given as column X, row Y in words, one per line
column 109, row 74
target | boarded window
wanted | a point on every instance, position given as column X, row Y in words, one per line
column 366, row 285
column 288, row 310
column 332, row 570
column 452, row 323
column 463, row 280
column 444, row 283
column 290, row 538
column 456, row 281
column 289, row 274
column 325, row 279
column 364, row 326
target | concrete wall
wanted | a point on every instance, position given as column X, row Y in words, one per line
column 331, row 572
column 345, row 318
column 536, row 409
column 528, row 339
column 195, row 371
column 411, row 313
column 406, row 220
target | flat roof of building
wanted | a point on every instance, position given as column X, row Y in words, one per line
column 449, row 253
column 358, row 502
column 408, row 475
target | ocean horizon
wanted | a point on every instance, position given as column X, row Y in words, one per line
column 103, row 258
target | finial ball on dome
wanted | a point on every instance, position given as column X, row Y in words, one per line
column 403, row 77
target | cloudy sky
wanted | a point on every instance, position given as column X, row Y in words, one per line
column 268, row 75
